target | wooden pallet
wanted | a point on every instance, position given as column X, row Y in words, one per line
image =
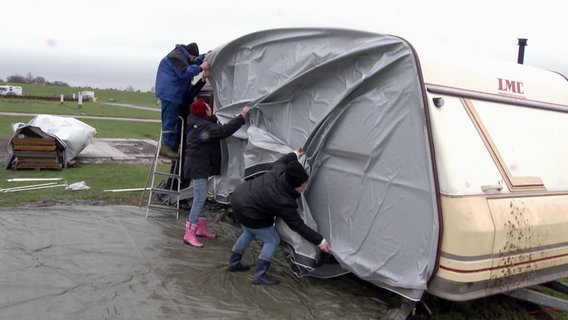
column 36, row 153
column 25, row 142
column 36, row 165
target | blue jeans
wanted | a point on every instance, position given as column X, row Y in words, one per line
column 269, row 237
column 199, row 197
column 170, row 126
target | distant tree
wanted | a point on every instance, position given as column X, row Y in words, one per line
column 16, row 79
column 39, row 80
column 130, row 89
column 58, row 83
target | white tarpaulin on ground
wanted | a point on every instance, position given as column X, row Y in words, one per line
column 76, row 134
column 73, row 135
column 354, row 102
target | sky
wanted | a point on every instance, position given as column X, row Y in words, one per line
column 119, row 43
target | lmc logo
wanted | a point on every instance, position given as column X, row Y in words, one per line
column 511, row 86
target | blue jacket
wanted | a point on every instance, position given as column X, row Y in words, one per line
column 175, row 74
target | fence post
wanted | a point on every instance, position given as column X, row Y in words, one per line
column 80, row 99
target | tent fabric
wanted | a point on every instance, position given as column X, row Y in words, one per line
column 354, row 102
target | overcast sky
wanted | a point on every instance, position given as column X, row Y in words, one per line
column 117, row 44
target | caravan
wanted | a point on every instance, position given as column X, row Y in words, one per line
column 497, row 133
column 10, row 90
column 428, row 172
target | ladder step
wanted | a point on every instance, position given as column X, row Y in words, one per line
column 164, row 191
column 167, row 174
column 162, row 207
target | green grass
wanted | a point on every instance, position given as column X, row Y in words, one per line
column 146, row 99
column 125, row 129
column 102, row 95
column 99, row 177
column 72, row 108
column 7, row 121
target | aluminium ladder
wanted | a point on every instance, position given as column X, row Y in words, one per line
column 162, row 195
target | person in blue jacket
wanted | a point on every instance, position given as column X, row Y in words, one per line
column 174, row 88
column 202, row 160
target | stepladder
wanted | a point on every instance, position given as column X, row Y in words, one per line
column 165, row 179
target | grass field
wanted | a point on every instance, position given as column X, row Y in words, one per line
column 99, row 177
column 146, row 99
column 99, row 109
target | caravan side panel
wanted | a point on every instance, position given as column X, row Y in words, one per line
column 503, row 178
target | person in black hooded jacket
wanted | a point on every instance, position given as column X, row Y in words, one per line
column 202, row 160
column 257, row 202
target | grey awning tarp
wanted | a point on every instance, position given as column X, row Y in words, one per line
column 354, row 102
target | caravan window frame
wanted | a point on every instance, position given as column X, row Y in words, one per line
column 469, row 99
column 514, row 183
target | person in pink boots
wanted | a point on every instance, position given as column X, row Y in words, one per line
column 202, row 160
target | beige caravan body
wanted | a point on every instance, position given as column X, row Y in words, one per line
column 499, row 132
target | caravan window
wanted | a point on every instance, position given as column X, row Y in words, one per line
column 527, row 143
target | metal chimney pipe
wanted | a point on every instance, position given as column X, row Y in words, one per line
column 522, row 44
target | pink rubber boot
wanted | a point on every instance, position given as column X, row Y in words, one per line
column 202, row 229
column 190, row 236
